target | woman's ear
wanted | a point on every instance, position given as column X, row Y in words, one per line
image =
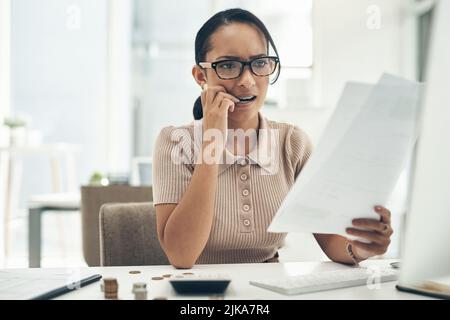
column 199, row 75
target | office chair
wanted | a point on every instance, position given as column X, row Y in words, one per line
column 128, row 235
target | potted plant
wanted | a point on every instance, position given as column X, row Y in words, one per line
column 17, row 128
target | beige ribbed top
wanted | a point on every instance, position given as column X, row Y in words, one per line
column 249, row 192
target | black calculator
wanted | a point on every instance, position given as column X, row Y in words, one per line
column 200, row 286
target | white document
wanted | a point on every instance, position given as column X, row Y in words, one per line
column 23, row 284
column 357, row 161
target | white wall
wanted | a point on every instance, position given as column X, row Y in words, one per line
column 5, row 38
column 72, row 75
column 118, row 81
column 59, row 78
column 164, row 89
column 5, row 61
column 346, row 49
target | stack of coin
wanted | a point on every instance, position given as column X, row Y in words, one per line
column 111, row 288
column 139, row 285
column 140, row 294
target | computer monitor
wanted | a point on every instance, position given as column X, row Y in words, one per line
column 141, row 171
column 426, row 253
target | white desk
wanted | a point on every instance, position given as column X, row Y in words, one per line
column 239, row 287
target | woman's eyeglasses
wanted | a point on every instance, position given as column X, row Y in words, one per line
column 232, row 69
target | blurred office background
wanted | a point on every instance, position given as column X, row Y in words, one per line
column 86, row 85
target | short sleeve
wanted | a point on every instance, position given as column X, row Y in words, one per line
column 300, row 148
column 172, row 165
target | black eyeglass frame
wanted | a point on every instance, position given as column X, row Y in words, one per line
column 213, row 65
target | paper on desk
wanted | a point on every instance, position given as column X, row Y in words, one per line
column 358, row 160
column 23, row 284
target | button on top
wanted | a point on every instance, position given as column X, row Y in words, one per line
column 245, row 192
column 243, row 162
column 247, row 222
column 246, row 207
column 244, row 176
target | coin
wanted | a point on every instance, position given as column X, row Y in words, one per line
column 167, row 275
column 110, row 288
column 109, row 280
column 135, row 272
column 138, row 286
column 140, row 294
column 160, row 298
column 188, row 273
column 157, row 278
column 110, row 284
column 111, row 295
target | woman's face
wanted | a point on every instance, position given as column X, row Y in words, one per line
column 243, row 42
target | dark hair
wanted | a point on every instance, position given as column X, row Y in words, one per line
column 226, row 17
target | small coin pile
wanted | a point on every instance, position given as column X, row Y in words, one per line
column 110, row 287
column 140, row 294
column 139, row 285
column 140, row 290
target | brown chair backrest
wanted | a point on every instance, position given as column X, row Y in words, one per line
column 92, row 198
column 128, row 235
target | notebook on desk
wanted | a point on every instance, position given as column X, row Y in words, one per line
column 41, row 284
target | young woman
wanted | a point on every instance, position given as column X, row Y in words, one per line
column 215, row 211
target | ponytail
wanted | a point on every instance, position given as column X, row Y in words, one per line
column 198, row 109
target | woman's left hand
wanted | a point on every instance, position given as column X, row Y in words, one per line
column 377, row 233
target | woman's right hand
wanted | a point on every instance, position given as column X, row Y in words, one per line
column 216, row 103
